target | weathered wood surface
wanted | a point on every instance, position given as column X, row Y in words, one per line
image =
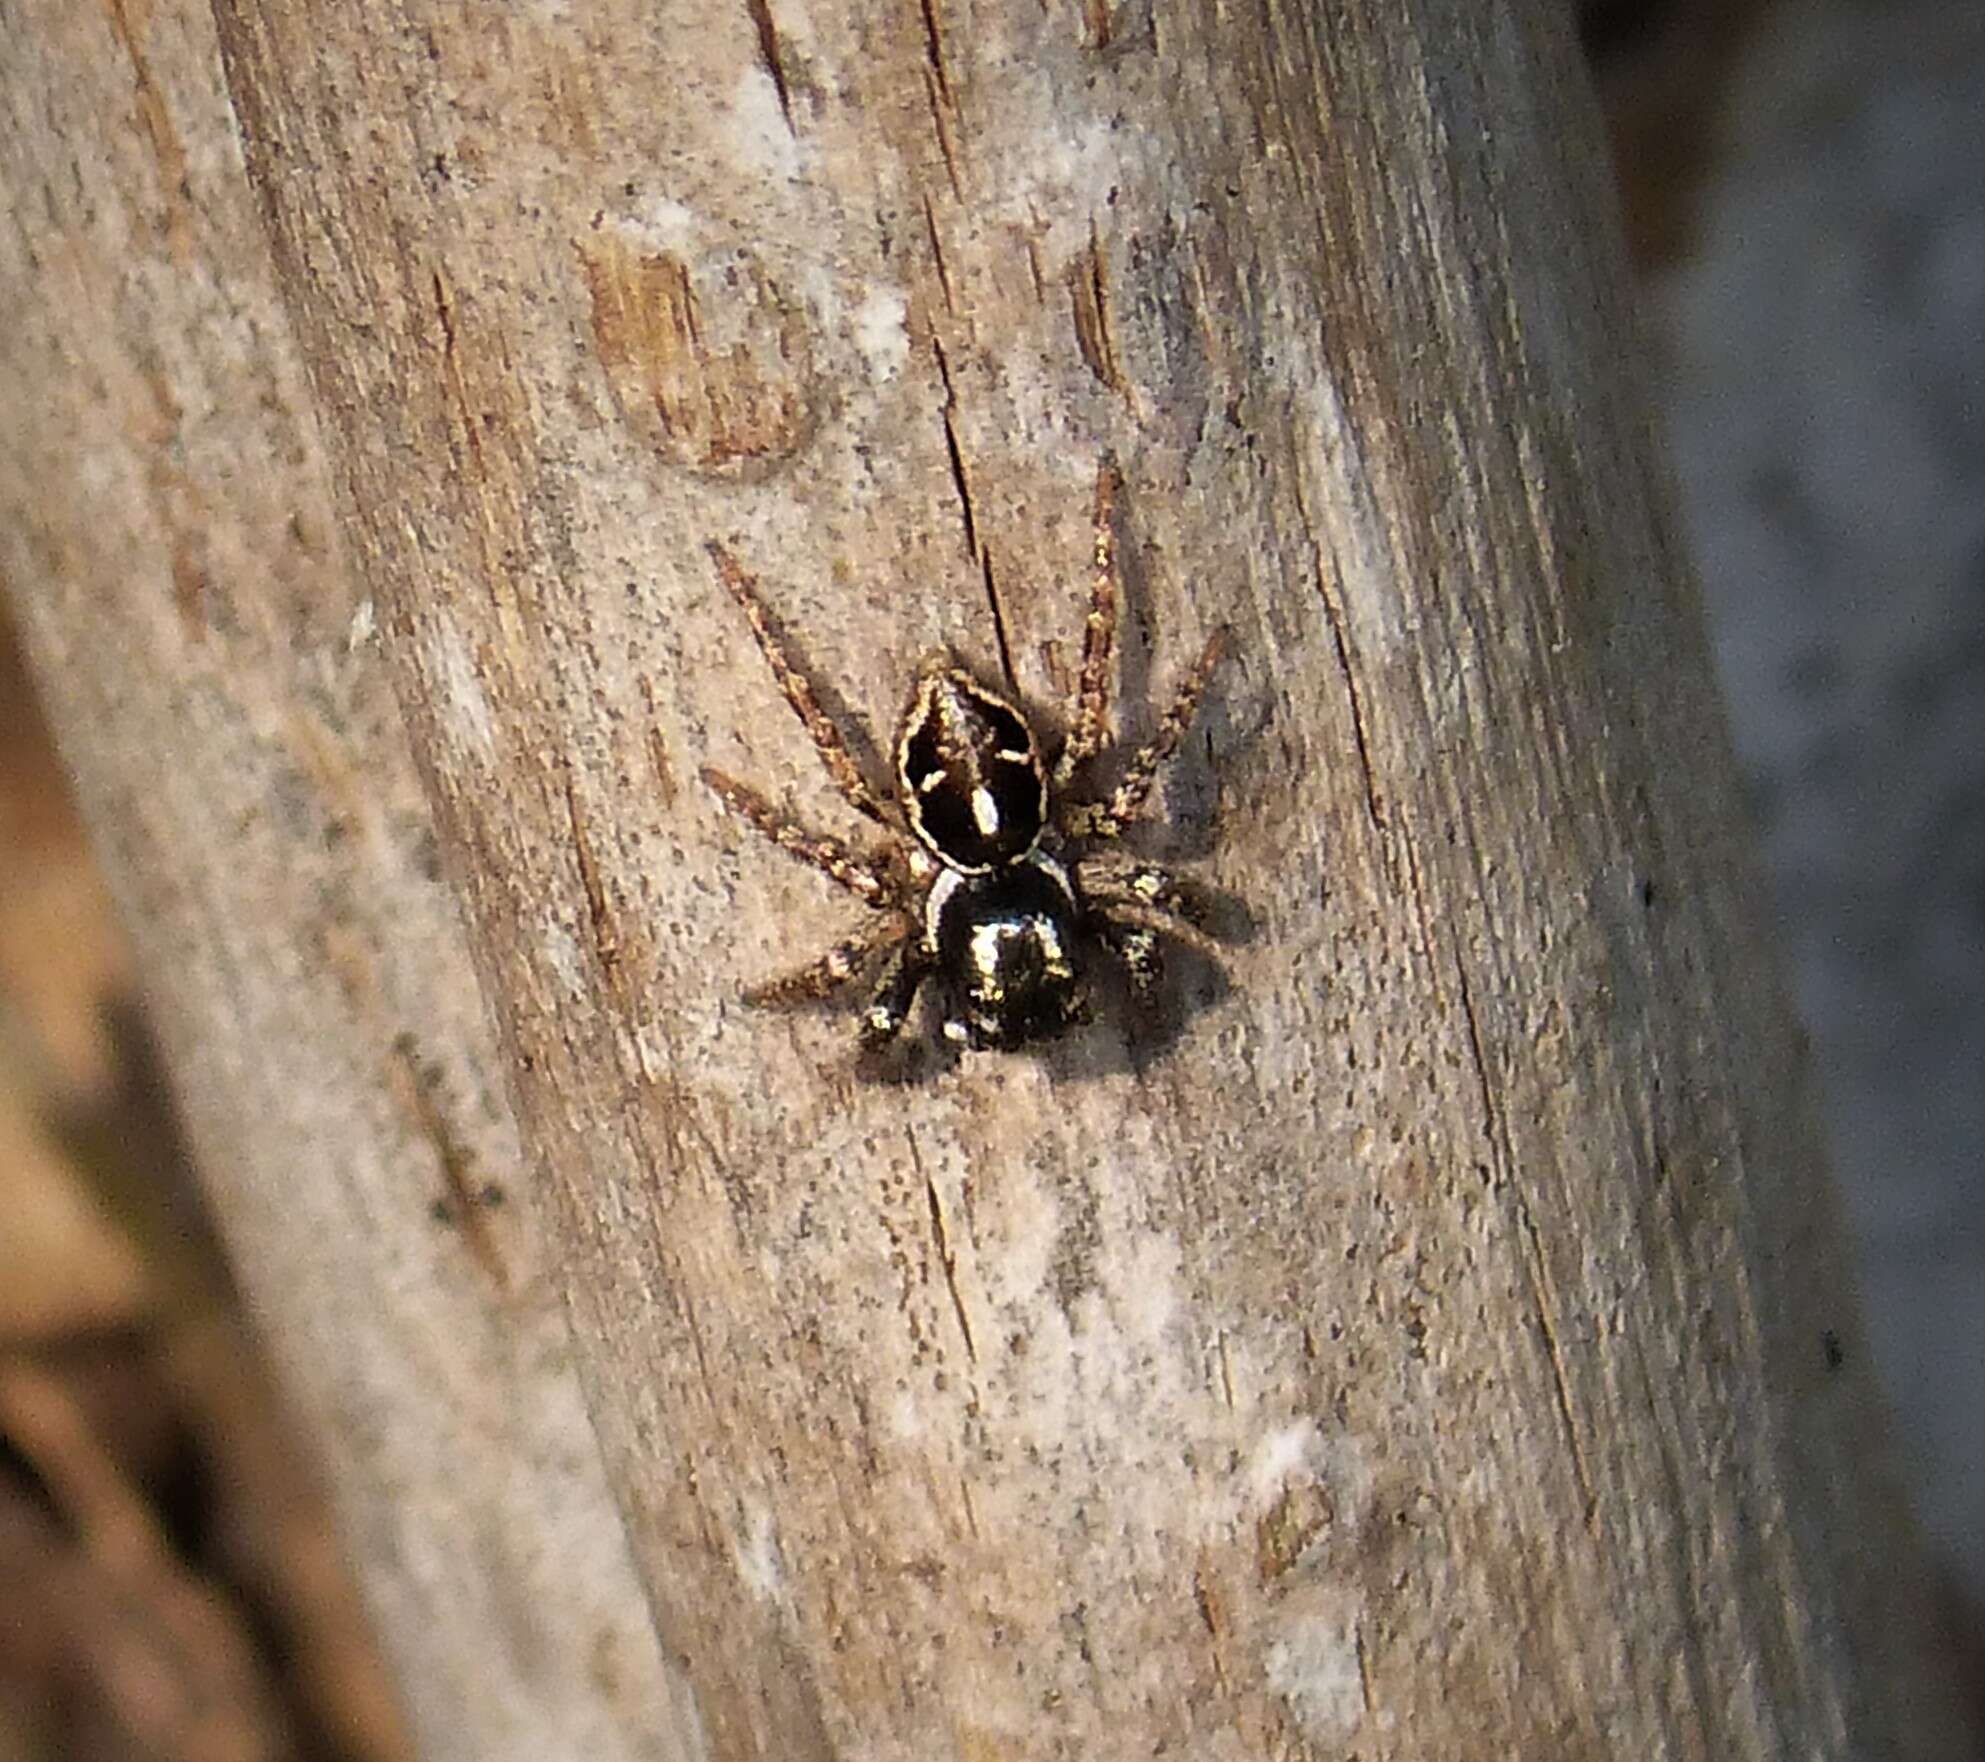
column 167, row 538
column 1441, row 1349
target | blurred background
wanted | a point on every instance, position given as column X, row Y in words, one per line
column 1805, row 195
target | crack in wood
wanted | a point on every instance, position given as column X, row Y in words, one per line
column 606, row 939
column 467, row 1203
column 937, row 261
column 1090, row 302
column 1530, row 1252
column 999, row 622
column 168, row 151
column 937, row 94
column 686, row 1306
column 658, row 751
column 955, row 452
column 1334, row 615
column 1207, row 1602
column 934, row 48
column 947, row 144
column 1360, row 729
column 941, row 1239
column 1536, row 1271
column 451, row 354
column 1034, row 270
column 760, row 13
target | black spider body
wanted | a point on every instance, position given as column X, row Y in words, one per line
column 1009, row 944
column 988, row 884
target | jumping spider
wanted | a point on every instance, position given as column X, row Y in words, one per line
column 984, row 883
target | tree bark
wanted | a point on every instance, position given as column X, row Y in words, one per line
column 1441, row 1348
column 167, row 537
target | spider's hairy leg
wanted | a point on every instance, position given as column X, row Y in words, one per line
column 895, row 991
column 821, row 728
column 839, row 967
column 1134, row 901
column 1107, row 819
column 868, row 881
column 1089, row 724
column 1138, row 947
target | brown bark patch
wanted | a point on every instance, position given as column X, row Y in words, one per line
column 710, row 362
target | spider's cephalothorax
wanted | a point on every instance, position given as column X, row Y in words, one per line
column 987, row 884
column 971, row 773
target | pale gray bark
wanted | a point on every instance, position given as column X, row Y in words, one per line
column 1435, row 1351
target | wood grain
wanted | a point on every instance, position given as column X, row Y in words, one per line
column 1438, row 1348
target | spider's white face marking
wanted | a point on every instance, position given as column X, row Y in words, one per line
column 971, row 772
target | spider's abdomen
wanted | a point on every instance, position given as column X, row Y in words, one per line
column 971, row 773
column 1008, row 942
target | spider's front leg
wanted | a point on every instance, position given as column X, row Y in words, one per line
column 828, row 741
column 1089, row 723
column 1126, row 803
column 869, row 881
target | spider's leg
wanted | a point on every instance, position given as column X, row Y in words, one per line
column 896, row 990
column 1134, row 901
column 1138, row 947
column 1089, row 725
column 868, row 881
column 840, row 966
column 1122, row 916
column 1107, row 819
column 821, row 728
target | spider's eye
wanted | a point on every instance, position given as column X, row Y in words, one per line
column 971, row 774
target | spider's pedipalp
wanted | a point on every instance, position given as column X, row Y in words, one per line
column 1107, row 819
column 1127, row 914
column 1130, row 896
column 821, row 728
column 1089, row 724
column 830, row 856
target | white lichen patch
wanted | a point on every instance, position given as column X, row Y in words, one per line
column 881, row 334
column 760, row 138
column 1279, row 1458
column 562, row 956
column 659, row 225
column 760, row 1566
column 1060, row 171
column 1300, row 1454
column 1341, row 495
column 908, row 1416
column 1026, row 1221
column 467, row 719
column 1310, row 1660
column 1146, row 1299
